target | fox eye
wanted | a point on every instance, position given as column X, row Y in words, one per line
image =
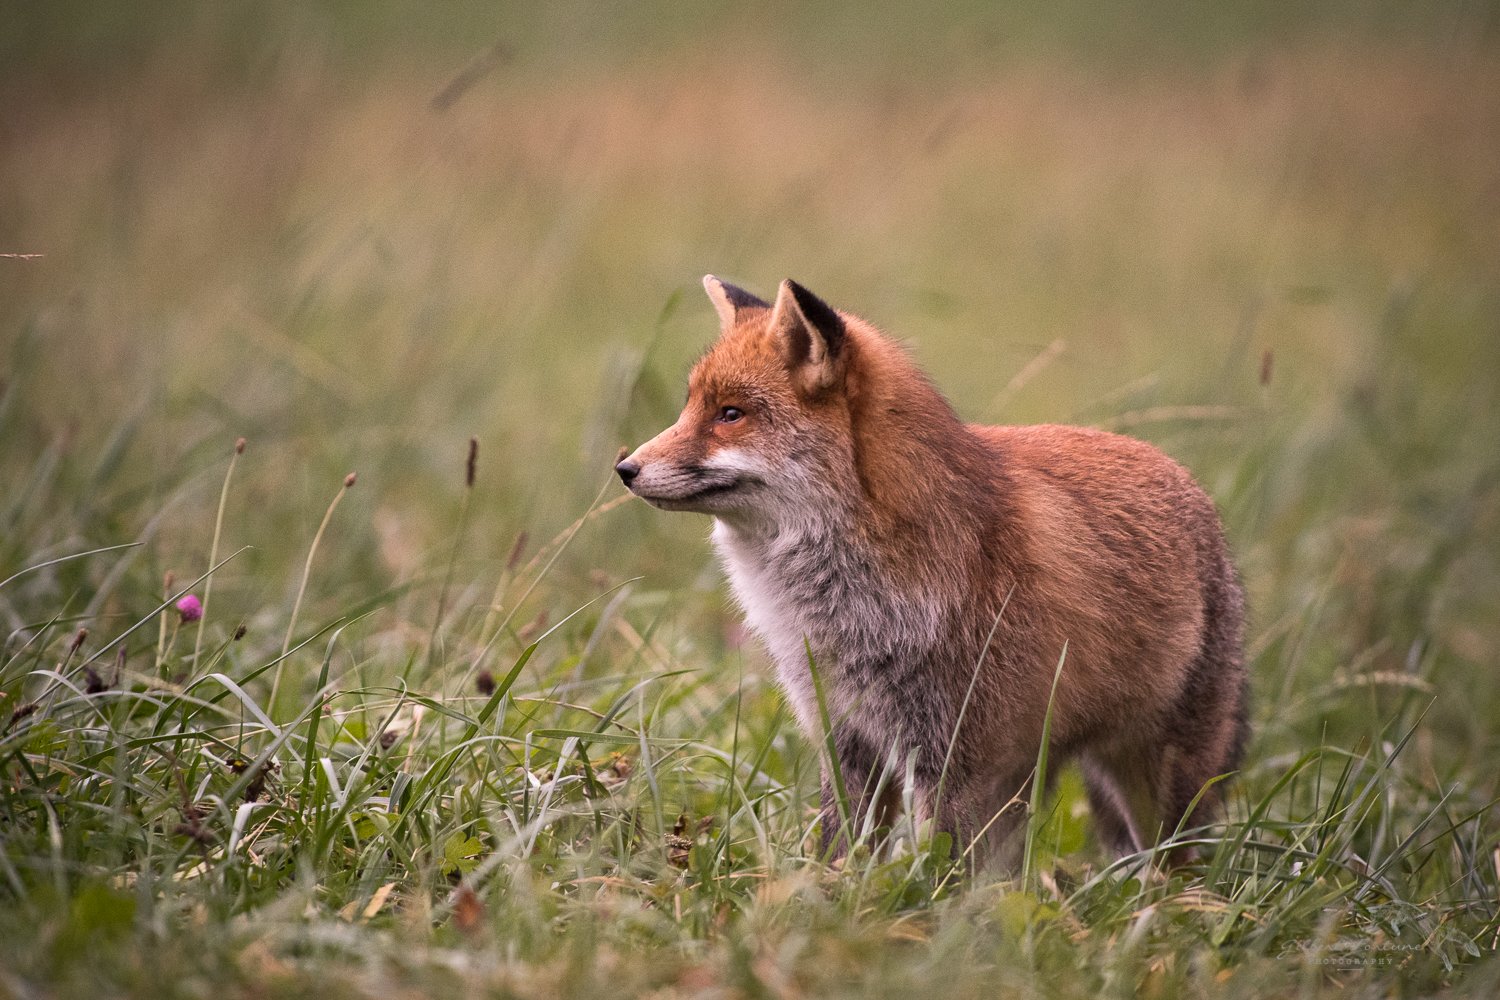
column 731, row 414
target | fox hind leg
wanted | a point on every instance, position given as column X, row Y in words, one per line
column 1142, row 794
column 1159, row 781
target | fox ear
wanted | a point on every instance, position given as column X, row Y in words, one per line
column 811, row 335
column 729, row 300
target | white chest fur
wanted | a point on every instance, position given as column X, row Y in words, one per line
column 804, row 587
column 772, row 612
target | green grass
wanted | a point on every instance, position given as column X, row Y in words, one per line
column 506, row 737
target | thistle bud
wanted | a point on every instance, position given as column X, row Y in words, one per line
column 190, row 608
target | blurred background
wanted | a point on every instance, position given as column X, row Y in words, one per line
column 1263, row 235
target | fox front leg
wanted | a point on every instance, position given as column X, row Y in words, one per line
column 984, row 815
column 860, row 777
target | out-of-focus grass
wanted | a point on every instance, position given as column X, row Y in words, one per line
column 1271, row 244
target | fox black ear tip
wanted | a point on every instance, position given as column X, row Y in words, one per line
column 797, row 289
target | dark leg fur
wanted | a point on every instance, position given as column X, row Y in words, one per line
column 984, row 817
column 859, row 767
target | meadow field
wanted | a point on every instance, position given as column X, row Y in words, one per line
column 462, row 718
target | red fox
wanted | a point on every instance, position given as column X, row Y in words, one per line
column 937, row 572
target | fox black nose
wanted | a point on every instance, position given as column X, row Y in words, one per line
column 628, row 470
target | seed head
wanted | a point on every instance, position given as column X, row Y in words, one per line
column 485, row 683
column 83, row 634
column 21, row 712
column 239, row 446
column 517, row 549
column 239, row 632
column 349, row 480
column 472, row 465
column 534, row 626
column 93, row 683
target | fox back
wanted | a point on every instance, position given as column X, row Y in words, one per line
column 939, row 572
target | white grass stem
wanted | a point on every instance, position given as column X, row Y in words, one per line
column 312, row 552
column 213, row 549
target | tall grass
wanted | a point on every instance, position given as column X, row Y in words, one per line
column 413, row 750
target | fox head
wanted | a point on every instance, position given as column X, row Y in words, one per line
column 767, row 416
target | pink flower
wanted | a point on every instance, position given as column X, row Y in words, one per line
column 190, row 608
